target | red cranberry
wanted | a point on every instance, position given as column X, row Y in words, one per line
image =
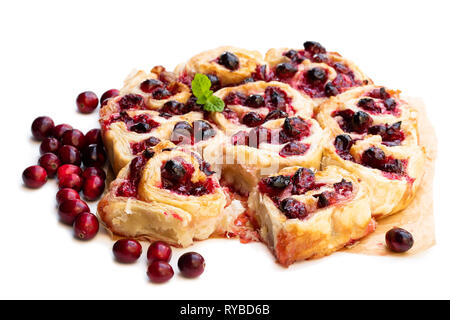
column 109, row 94
column 161, row 93
column 191, row 264
column 42, row 127
column 93, row 136
column 254, row 101
column 285, row 70
column 303, row 180
column 361, row 122
column 94, row 156
column 203, row 130
column 59, row 130
column 68, row 169
column 343, row 143
column 94, row 171
column 149, row 85
column 293, row 209
column 215, row 82
column 314, row 47
column 159, row 271
column 70, row 209
column 229, row 60
column 399, row 240
column 252, row 119
column 275, row 114
column 74, row 138
column 374, row 157
column 277, row 182
column 127, row 250
column 66, row 194
column 50, row 144
column 173, row 170
column 87, row 102
column 34, row 176
column 70, row 155
column 316, row 75
column 85, row 226
column 72, row 181
column 93, row 188
column 159, row 251
column 131, row 101
column 50, row 162
column 296, row 127
column 294, row 149
column 330, row 90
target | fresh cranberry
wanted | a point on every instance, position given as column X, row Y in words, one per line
column 59, row 130
column 94, row 171
column 34, row 176
column 252, row 119
column 361, row 122
column 275, row 114
column 191, row 264
column 293, row 209
column 66, row 194
column 294, row 149
column 70, row 155
column 159, row 251
column 399, row 240
column 71, row 180
column 50, row 162
column 229, row 60
column 93, row 188
column 149, row 85
column 94, row 156
column 87, row 102
column 285, row 70
column 85, row 226
column 108, row 95
column 68, row 169
column 74, row 138
column 50, row 144
column 70, row 209
column 127, row 250
column 314, row 47
column 173, row 170
column 374, row 157
column 159, row 271
column 93, row 136
column 42, row 127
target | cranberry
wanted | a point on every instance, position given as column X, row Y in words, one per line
column 399, row 240
column 229, row 60
column 325, row 199
column 85, row 226
column 71, row 180
column 74, row 138
column 361, row 122
column 343, row 187
column 191, row 264
column 285, row 70
column 87, row 102
column 240, row 138
column 66, row 194
column 109, row 94
column 316, row 75
column 127, row 250
column 59, row 130
column 277, row 182
column 293, row 209
column 368, row 104
column 203, row 130
column 93, row 136
column 374, row 157
column 182, row 133
column 320, row 57
column 390, row 104
column 275, row 114
column 159, row 251
column 140, row 127
column 50, row 162
column 70, row 155
column 343, row 143
column 303, row 180
column 93, row 188
column 275, row 97
column 314, row 47
column 131, row 101
column 94, row 156
column 215, row 82
column 70, row 209
column 330, row 90
column 94, row 171
column 380, row 93
column 42, row 127
column 296, row 127
column 50, row 144
column 161, row 93
column 259, row 135
column 254, row 101
column 394, row 166
column 151, row 84
column 68, row 169
column 174, row 107
column 34, row 176
column 159, row 271
column 294, row 149
column 252, row 119
column 173, row 170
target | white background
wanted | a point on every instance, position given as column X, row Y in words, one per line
column 53, row 50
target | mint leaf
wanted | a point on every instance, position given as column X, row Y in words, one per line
column 201, row 89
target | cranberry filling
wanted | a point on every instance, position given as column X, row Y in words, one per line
column 343, row 143
column 341, row 191
column 294, row 149
column 138, row 147
column 128, row 188
column 131, row 101
column 385, row 103
column 141, row 123
column 375, row 158
column 391, row 134
column 185, row 133
column 176, row 175
column 228, row 60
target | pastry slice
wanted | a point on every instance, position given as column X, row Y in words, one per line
column 165, row 193
column 304, row 215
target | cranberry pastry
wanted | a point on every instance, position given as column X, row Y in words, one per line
column 165, row 193
column 252, row 104
column 225, row 66
column 305, row 215
column 314, row 71
column 255, row 152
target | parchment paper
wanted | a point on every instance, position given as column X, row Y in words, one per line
column 417, row 218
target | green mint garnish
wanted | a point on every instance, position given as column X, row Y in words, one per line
column 201, row 86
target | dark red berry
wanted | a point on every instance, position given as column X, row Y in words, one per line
column 361, row 122
column 94, row 171
column 94, row 156
column 294, row 149
column 159, row 251
column 74, row 138
column 71, row 180
column 173, row 170
column 314, row 47
column 159, row 271
column 50, row 144
column 285, row 70
column 59, row 130
column 254, row 101
column 316, row 75
column 42, row 127
column 85, row 226
column 68, row 169
column 229, row 60
column 93, row 136
column 93, row 188
column 374, row 157
column 50, row 162
column 109, row 94
column 127, row 250
column 149, row 85
column 69, row 155
column 399, row 240
column 66, row 194
column 191, row 264
column 70, row 209
column 252, row 119
column 87, row 102
column 34, row 176
column 293, row 209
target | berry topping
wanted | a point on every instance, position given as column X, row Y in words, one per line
column 174, row 107
column 293, row 209
column 303, row 180
column 285, row 70
column 252, row 119
column 275, row 114
column 173, row 170
column 296, row 127
column 331, row 90
column 149, row 85
column 314, row 47
column 254, row 101
column 294, row 149
column 131, row 101
column 316, row 76
column 374, row 157
column 229, row 61
column 361, row 122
